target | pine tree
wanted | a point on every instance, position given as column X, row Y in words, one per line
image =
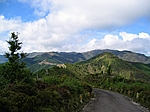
column 15, row 70
column 14, row 56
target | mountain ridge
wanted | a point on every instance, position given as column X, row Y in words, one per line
column 33, row 59
column 77, row 56
column 72, row 57
column 125, row 55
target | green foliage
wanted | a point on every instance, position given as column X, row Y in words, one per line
column 3, row 82
column 52, row 80
column 14, row 56
column 15, row 70
column 54, row 71
column 109, row 71
column 6, row 105
column 18, row 75
column 58, row 91
column 43, row 97
column 75, row 85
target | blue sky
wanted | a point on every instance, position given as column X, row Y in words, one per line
column 14, row 8
column 75, row 25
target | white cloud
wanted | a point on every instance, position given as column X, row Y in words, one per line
column 62, row 21
column 3, row 47
column 97, row 13
column 127, row 36
column 9, row 25
column 141, row 43
column 130, row 37
column 144, row 35
column 110, row 40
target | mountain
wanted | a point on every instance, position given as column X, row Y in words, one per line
column 72, row 57
column 54, row 58
column 39, row 61
column 109, row 64
column 125, row 55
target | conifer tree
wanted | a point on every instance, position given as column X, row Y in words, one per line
column 15, row 70
column 14, row 56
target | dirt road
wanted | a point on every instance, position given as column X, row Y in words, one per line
column 106, row 101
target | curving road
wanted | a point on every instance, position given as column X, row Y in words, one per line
column 106, row 101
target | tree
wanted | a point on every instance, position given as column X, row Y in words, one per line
column 15, row 70
column 14, row 56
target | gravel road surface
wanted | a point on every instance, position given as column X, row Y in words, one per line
column 106, row 101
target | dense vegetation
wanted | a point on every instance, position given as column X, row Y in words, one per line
column 53, row 90
column 54, row 93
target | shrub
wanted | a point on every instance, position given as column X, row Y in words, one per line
column 6, row 105
column 74, row 84
column 24, row 88
column 52, row 80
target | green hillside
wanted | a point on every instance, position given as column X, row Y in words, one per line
column 143, row 67
column 109, row 64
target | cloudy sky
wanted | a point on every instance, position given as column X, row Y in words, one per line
column 76, row 25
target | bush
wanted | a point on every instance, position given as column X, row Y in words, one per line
column 3, row 82
column 24, row 88
column 74, row 84
column 6, row 105
column 52, row 80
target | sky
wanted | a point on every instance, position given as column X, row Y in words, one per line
column 76, row 25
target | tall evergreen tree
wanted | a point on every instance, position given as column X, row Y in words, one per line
column 15, row 70
column 14, row 56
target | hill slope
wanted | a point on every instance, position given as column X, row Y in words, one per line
column 109, row 64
